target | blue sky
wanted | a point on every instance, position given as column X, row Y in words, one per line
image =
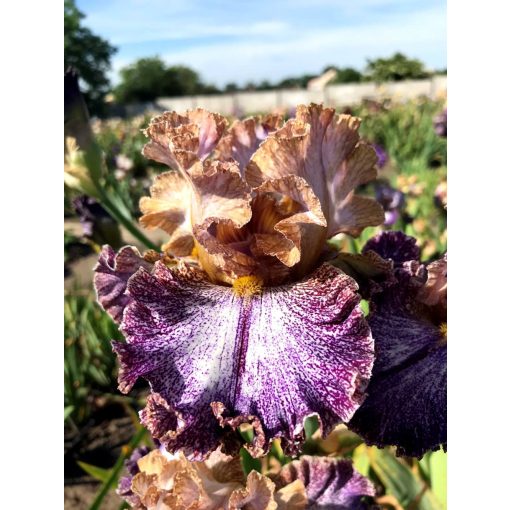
column 226, row 40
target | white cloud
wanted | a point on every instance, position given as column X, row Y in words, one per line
column 227, row 40
column 421, row 35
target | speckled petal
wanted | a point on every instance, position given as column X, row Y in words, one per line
column 112, row 273
column 331, row 484
column 273, row 358
column 324, row 149
column 406, row 403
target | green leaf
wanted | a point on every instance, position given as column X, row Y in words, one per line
column 311, row 426
column 115, row 471
column 438, row 462
column 98, row 473
column 401, row 482
column 364, row 306
column 249, row 463
column 361, row 460
column 67, row 412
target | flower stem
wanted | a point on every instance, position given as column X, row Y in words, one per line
column 125, row 222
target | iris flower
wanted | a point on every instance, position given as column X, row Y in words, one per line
column 239, row 321
column 97, row 225
column 406, row 403
column 159, row 480
column 392, row 200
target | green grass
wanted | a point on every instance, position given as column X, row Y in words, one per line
column 89, row 363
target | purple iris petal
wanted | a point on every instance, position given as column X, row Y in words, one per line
column 391, row 217
column 382, row 156
column 440, row 124
column 329, row 483
column 394, row 245
column 392, row 200
column 215, row 360
column 96, row 223
column 131, row 466
column 406, row 403
column 112, row 273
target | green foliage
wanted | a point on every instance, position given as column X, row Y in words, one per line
column 402, row 482
column 299, row 82
column 406, row 131
column 89, row 363
column 150, row 78
column 100, row 474
column 114, row 473
column 395, row 68
column 89, row 54
column 345, row 74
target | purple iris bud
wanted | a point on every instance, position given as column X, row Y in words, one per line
column 96, row 223
column 382, row 155
column 131, row 466
column 440, row 124
column 392, row 200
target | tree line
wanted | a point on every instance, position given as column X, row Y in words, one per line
column 149, row 78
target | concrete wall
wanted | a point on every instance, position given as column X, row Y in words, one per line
column 243, row 103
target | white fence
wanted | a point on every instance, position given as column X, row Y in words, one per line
column 242, row 103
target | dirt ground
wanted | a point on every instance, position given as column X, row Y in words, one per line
column 81, row 496
column 98, row 442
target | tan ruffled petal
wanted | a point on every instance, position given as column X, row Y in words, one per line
column 434, row 292
column 221, row 208
column 325, row 151
column 258, row 494
column 169, row 208
column 173, row 482
column 298, row 237
column 223, row 262
column 224, row 468
column 180, row 140
column 145, row 487
column 292, row 496
column 245, row 136
column 220, row 192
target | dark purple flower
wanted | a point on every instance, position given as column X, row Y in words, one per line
column 392, row 200
column 96, row 223
column 394, row 246
column 215, row 359
column 329, row 483
column 406, row 403
column 382, row 155
column 440, row 124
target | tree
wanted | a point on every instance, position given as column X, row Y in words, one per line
column 395, row 68
column 231, row 87
column 149, row 78
column 265, row 85
column 89, row 54
column 144, row 80
column 348, row 75
column 297, row 82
